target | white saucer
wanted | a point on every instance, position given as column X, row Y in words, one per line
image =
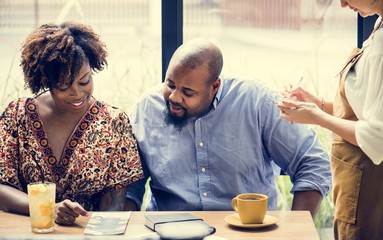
column 233, row 219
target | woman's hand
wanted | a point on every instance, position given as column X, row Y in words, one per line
column 300, row 106
column 301, row 95
column 67, row 212
column 300, row 112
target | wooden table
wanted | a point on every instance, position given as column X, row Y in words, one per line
column 291, row 225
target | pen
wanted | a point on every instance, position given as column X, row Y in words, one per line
column 296, row 84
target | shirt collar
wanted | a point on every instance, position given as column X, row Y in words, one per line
column 217, row 97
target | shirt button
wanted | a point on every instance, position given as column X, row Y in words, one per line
column 205, row 194
column 201, row 144
column 203, row 169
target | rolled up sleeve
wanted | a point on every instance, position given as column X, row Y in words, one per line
column 297, row 150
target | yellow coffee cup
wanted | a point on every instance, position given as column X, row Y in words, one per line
column 251, row 207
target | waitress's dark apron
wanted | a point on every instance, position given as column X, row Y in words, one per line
column 357, row 182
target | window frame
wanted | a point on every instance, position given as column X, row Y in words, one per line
column 172, row 30
column 365, row 27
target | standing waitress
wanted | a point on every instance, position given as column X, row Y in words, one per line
column 356, row 119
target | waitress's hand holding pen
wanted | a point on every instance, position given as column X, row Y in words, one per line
column 298, row 105
column 295, row 97
column 294, row 92
column 288, row 90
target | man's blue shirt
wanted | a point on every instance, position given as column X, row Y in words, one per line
column 235, row 148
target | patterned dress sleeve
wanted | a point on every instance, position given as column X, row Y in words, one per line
column 125, row 165
column 9, row 150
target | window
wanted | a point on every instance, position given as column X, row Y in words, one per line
column 131, row 30
column 277, row 41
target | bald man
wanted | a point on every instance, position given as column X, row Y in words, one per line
column 204, row 139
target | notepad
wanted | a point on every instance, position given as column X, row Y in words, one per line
column 107, row 223
column 153, row 219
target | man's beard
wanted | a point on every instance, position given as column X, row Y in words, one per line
column 171, row 119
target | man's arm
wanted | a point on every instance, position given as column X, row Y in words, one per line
column 307, row 200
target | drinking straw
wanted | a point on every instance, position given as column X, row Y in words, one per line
column 38, row 165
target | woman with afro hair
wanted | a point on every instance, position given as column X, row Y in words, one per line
column 63, row 134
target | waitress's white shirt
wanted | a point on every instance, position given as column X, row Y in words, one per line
column 364, row 91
